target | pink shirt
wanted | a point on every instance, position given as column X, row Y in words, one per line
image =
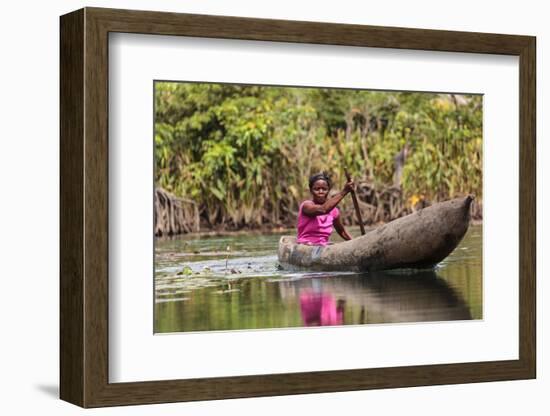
column 315, row 230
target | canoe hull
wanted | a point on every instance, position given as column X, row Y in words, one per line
column 419, row 240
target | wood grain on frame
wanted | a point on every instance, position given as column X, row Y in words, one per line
column 84, row 207
column 72, row 213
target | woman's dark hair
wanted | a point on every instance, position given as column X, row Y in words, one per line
column 317, row 176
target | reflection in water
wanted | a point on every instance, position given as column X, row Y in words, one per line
column 380, row 297
column 251, row 293
column 321, row 309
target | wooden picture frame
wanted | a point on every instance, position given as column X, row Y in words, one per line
column 84, row 207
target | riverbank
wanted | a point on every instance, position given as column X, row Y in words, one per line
column 354, row 230
column 174, row 216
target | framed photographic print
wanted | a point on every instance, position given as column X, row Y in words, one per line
column 255, row 207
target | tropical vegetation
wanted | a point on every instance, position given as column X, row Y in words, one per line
column 242, row 153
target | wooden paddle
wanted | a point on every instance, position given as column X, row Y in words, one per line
column 355, row 204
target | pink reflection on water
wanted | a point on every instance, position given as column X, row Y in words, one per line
column 320, row 309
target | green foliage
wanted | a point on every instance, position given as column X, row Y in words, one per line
column 244, row 153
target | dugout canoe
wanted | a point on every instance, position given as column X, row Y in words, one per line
column 417, row 241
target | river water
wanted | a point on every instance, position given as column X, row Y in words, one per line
column 205, row 283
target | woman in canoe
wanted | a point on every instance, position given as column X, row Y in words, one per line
column 317, row 216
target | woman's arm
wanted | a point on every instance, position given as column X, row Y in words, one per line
column 312, row 209
column 339, row 227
